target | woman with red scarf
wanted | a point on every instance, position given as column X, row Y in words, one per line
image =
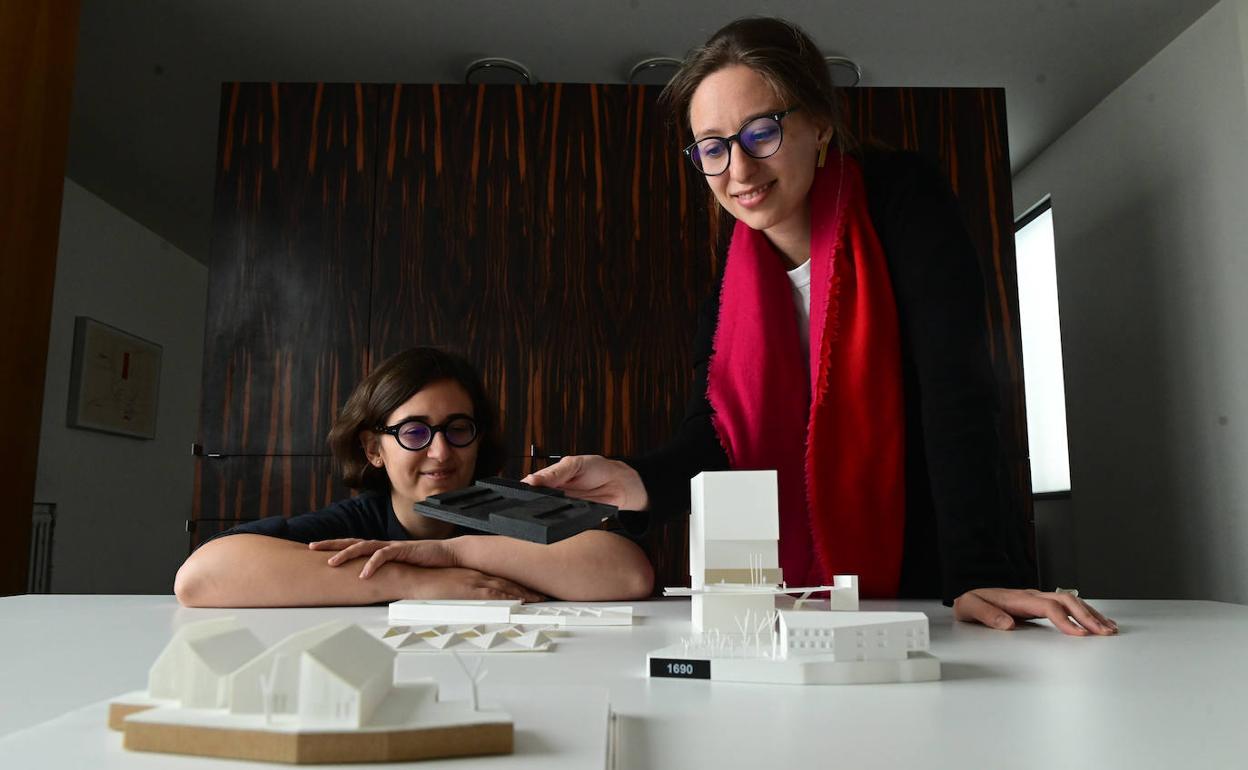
column 846, row 349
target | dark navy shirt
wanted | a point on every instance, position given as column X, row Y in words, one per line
column 368, row 515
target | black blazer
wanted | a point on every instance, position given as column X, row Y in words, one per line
column 959, row 532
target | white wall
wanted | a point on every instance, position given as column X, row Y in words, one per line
column 121, row 502
column 1150, row 211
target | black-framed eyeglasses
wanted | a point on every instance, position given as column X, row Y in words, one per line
column 758, row 137
column 415, row 434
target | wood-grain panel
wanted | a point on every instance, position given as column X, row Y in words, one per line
column 287, row 322
column 622, row 265
column 454, row 232
column 237, row 489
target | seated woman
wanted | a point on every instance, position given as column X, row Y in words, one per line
column 418, row 425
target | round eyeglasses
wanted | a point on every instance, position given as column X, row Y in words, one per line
column 415, row 434
column 758, row 137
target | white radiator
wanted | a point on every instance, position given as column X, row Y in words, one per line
column 39, row 580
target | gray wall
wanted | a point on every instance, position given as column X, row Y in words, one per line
column 121, row 502
column 1150, row 211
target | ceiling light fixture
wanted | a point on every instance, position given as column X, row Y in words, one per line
column 497, row 70
column 655, row 71
column 844, row 71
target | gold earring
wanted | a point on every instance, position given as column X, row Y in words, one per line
column 823, row 155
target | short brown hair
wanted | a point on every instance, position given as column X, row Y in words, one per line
column 386, row 388
column 778, row 50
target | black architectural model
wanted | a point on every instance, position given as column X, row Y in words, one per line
column 510, row 508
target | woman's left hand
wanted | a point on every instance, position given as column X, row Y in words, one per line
column 1001, row 607
column 419, row 553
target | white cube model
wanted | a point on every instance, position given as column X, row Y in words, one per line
column 734, row 529
column 734, row 518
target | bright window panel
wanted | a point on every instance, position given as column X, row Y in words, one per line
column 1042, row 355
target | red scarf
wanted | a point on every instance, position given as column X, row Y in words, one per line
column 842, row 495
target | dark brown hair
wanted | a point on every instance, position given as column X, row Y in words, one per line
column 391, row 384
column 778, row 50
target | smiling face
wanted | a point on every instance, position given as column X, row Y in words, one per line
column 439, row 467
column 768, row 194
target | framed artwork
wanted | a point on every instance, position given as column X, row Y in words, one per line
column 114, row 380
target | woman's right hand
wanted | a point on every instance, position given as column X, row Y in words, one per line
column 594, row 478
column 463, row 583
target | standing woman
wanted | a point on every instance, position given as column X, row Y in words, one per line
column 846, row 349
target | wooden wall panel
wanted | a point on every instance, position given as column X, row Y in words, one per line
column 454, row 233
column 236, row 489
column 37, row 47
column 621, row 271
column 622, row 267
column 287, row 322
column 963, row 131
column 553, row 234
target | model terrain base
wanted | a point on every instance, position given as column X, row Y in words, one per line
column 504, row 507
column 675, row 663
column 154, row 729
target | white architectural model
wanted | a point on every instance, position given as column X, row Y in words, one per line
column 807, row 647
column 488, row 638
column 326, row 694
column 734, row 563
column 739, row 635
column 512, row 611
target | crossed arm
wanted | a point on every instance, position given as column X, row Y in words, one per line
column 247, row 570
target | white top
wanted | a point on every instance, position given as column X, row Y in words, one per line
column 800, row 276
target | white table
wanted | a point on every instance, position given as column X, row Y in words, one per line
column 1166, row 693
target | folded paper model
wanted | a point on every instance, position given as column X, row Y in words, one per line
column 504, row 507
column 483, row 638
column 446, row 611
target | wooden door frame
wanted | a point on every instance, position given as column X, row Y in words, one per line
column 38, row 41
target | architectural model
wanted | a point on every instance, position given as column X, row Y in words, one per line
column 515, row 509
column 487, row 638
column 513, row 611
column 734, row 562
column 740, row 635
column 325, row 694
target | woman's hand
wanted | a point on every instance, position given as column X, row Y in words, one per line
column 442, row 578
column 418, row 553
column 594, row 478
column 462, row 583
column 1001, row 607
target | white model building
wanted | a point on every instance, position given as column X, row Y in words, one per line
column 853, row 636
column 249, row 681
column 195, row 667
column 343, row 679
column 740, row 636
column 326, row 694
column 734, row 563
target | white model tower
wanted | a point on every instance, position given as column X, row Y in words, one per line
column 733, row 536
